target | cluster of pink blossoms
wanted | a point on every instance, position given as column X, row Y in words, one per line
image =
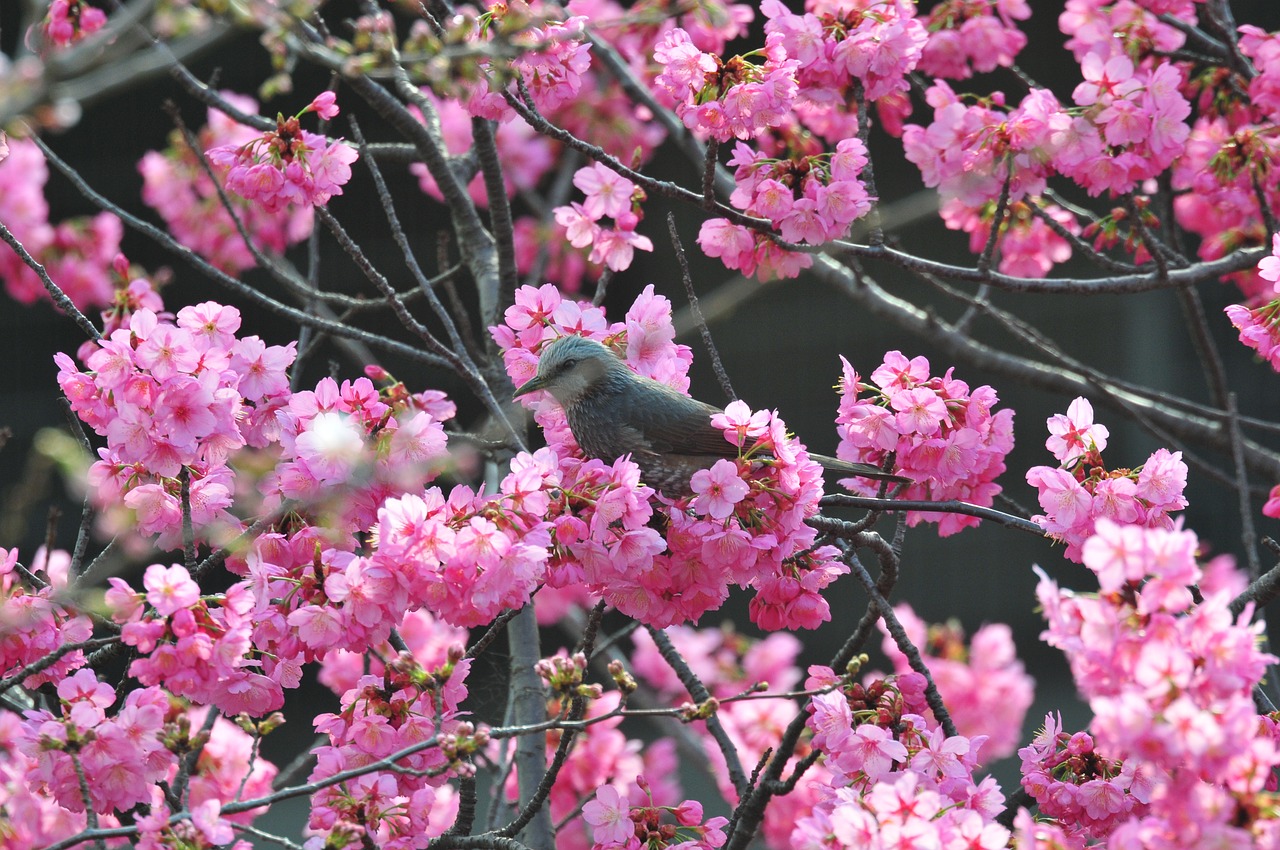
column 1264, row 49
column 174, row 397
column 730, row 664
column 230, row 769
column 608, row 194
column 346, row 448
column 985, row 687
column 466, row 557
column 969, row 151
column 1028, row 246
column 340, row 451
column 600, row 110
column 600, row 534
column 751, row 252
column 836, row 42
column 745, row 525
column 51, row 759
column 288, row 166
column 1137, row 119
column 196, row 647
column 1225, row 158
column 306, row 604
column 1170, row 683
column 69, row 21
column 1132, row 27
column 1259, row 327
column 36, row 623
column 553, row 64
column 555, row 60
column 973, row 35
column 811, row 198
column 943, row 435
column 1079, row 787
column 815, row 61
column 754, row 522
column 725, row 99
column 893, row 774
column 407, row 706
column 1216, row 197
column 78, row 253
column 620, row 824
column 1229, row 158
column 1128, row 127
column 175, row 185
column 1081, row 492
column 180, row 397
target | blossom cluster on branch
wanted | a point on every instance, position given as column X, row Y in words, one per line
column 1081, row 492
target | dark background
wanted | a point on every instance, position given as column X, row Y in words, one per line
column 779, row 344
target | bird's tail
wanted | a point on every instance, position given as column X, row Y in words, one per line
column 861, row 470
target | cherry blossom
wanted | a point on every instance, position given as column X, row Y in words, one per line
column 1082, row 492
column 286, row 166
column 944, row 436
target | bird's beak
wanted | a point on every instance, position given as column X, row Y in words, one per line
column 532, row 385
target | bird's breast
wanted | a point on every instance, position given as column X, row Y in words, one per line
column 598, row 434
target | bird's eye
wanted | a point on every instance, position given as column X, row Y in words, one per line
column 568, row 364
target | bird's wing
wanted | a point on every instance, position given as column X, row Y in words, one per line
column 672, row 423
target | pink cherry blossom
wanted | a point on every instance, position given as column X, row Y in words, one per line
column 285, row 167
column 1075, row 435
column 325, row 105
column 610, row 817
column 170, row 589
column 608, row 193
column 1076, row 496
column 718, row 489
column 946, row 437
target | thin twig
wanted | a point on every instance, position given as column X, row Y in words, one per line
column 52, row 657
column 486, row 149
column 250, row 293
column 1248, row 537
column 188, row 528
column 903, row 642
column 59, row 298
column 709, row 174
column 495, row 628
column 997, row 218
column 721, row 375
column 701, row 695
column 948, row 507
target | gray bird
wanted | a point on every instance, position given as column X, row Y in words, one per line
column 612, row 412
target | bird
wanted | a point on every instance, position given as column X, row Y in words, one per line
column 613, row 411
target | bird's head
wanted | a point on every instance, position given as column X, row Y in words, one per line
column 571, row 367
